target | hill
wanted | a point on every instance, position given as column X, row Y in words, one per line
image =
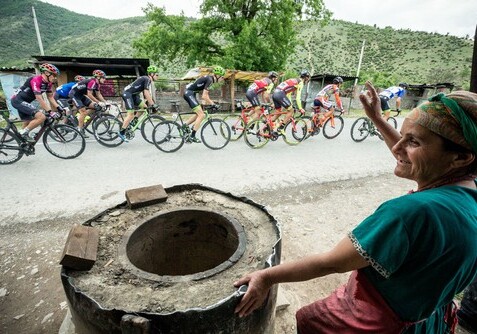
column 399, row 55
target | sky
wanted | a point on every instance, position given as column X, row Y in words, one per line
column 456, row 17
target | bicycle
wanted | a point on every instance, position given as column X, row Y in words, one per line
column 107, row 128
column 238, row 123
column 61, row 140
column 91, row 120
column 258, row 133
column 170, row 135
column 332, row 125
column 363, row 127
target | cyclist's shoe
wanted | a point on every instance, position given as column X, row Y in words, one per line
column 123, row 137
column 194, row 140
column 281, row 132
column 83, row 133
column 27, row 138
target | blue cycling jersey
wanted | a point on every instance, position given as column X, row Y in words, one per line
column 393, row 91
column 64, row 90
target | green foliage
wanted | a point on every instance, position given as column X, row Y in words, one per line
column 243, row 34
column 246, row 39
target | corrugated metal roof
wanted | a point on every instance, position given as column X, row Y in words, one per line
column 329, row 77
column 85, row 65
column 17, row 69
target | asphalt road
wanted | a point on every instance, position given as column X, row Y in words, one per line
column 44, row 187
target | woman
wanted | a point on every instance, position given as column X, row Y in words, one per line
column 416, row 252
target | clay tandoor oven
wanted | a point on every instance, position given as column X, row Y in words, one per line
column 172, row 265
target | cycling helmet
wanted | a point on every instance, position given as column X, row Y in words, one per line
column 403, row 85
column 272, row 74
column 152, row 69
column 79, row 78
column 99, row 73
column 218, row 70
column 49, row 68
column 338, row 80
column 304, row 74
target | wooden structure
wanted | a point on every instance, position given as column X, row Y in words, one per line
column 120, row 71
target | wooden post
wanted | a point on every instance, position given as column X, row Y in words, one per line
column 232, row 91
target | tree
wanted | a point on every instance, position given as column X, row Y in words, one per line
column 241, row 34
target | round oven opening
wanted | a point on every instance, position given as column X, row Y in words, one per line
column 183, row 244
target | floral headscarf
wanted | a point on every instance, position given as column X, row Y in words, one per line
column 453, row 116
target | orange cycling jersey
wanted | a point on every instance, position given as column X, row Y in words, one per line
column 325, row 94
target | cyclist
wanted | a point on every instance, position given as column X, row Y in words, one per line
column 31, row 90
column 190, row 95
column 261, row 87
column 389, row 93
column 61, row 94
column 283, row 94
column 86, row 93
column 322, row 99
column 132, row 100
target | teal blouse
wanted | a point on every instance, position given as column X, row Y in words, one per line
column 422, row 251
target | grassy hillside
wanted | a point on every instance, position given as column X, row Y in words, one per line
column 17, row 30
column 400, row 55
column 415, row 57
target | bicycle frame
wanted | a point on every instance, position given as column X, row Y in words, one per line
column 244, row 116
column 317, row 122
column 271, row 123
column 140, row 120
column 45, row 125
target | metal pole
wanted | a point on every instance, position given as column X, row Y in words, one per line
column 40, row 44
column 473, row 73
column 357, row 74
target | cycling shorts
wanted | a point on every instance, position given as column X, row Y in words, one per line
column 384, row 103
column 252, row 96
column 26, row 110
column 131, row 101
column 191, row 98
column 64, row 102
column 280, row 99
column 81, row 101
column 320, row 102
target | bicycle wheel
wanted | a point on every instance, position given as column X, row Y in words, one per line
column 106, row 132
column 257, row 134
column 167, row 136
column 295, row 132
column 333, row 127
column 148, row 126
column 64, row 141
column 10, row 148
column 91, row 126
column 236, row 125
column 360, row 129
column 393, row 122
column 215, row 134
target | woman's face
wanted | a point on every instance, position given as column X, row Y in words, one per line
column 421, row 156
